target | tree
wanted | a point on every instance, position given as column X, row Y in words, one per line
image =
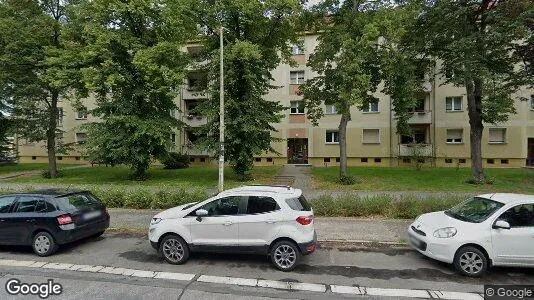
column 256, row 40
column 484, row 43
column 133, row 66
column 30, row 46
column 347, row 63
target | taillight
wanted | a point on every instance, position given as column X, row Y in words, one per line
column 304, row 220
column 64, row 219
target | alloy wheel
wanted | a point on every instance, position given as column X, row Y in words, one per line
column 471, row 263
column 173, row 250
column 285, row 256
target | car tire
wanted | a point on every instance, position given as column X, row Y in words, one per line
column 174, row 249
column 470, row 261
column 43, row 244
column 98, row 234
column 285, row 256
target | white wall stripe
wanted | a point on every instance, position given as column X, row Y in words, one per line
column 274, row 284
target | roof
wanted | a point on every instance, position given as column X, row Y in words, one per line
column 507, row 198
column 275, row 189
column 55, row 192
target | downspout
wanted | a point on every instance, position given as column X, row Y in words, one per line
column 390, row 132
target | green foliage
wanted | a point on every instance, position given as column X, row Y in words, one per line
column 347, row 180
column 256, row 40
column 46, row 174
column 132, row 64
column 175, row 160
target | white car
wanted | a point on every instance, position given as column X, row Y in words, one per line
column 484, row 231
column 272, row 220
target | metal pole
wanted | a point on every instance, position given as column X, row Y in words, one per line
column 220, row 186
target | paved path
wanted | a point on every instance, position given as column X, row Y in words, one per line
column 328, row 229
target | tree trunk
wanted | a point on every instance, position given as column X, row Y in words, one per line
column 51, row 134
column 345, row 118
column 474, row 106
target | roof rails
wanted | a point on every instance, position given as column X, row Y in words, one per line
column 288, row 187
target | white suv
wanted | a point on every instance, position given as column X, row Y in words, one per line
column 272, row 220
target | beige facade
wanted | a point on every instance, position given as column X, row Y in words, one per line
column 440, row 127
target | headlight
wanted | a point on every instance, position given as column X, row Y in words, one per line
column 446, row 232
column 155, row 221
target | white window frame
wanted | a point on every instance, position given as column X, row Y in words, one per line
column 296, row 106
column 371, row 143
column 297, row 49
column 497, row 142
column 454, row 108
column 297, row 79
column 455, row 141
column 330, row 135
column 84, row 114
column 369, row 108
column 60, row 116
column 331, row 111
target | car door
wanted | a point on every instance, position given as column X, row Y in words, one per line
column 23, row 218
column 8, row 232
column 220, row 228
column 260, row 225
column 515, row 246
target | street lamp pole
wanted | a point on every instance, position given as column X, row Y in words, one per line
column 220, row 186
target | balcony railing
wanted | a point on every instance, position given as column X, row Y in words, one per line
column 421, row 117
column 195, row 120
column 415, row 150
column 191, row 149
column 190, row 94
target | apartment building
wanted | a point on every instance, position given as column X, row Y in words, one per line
column 440, row 127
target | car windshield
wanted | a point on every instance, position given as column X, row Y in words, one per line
column 474, row 210
column 78, row 202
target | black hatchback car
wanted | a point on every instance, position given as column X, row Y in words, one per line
column 48, row 218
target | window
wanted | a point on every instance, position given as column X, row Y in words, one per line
column 326, row 159
column 297, row 49
column 371, row 107
column 532, row 102
column 81, row 137
column 77, row 158
column 257, row 159
column 406, row 160
column 191, row 108
column 371, row 136
column 330, row 109
column 299, row 204
column 60, row 116
column 78, row 202
column 419, row 106
column 60, row 158
column 34, row 157
column 378, row 160
column 364, row 159
column 519, row 216
column 269, row 159
column 26, row 204
column 297, row 107
column 173, row 138
column 462, row 160
column 504, row 161
column 202, row 159
column 418, row 137
column 448, row 161
column 296, row 77
column 44, row 206
column 192, row 159
column 227, row 206
column 81, row 114
column 449, row 74
column 490, row 161
column 497, row 135
column 454, row 136
column 5, row 204
column 338, row 159
column 259, row 205
column 191, row 136
column 453, row 104
column 332, row 137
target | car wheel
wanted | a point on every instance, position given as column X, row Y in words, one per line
column 285, row 256
column 470, row 261
column 174, row 249
column 44, row 244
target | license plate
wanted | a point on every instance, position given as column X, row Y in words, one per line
column 92, row 215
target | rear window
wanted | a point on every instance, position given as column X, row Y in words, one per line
column 77, row 202
column 300, row 204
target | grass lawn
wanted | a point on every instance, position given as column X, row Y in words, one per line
column 206, row 176
column 427, row 179
column 12, row 168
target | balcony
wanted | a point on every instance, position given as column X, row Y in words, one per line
column 191, row 149
column 415, row 150
column 190, row 94
column 421, row 117
column 195, row 120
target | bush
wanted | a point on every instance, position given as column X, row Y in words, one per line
column 406, row 208
column 347, row 180
column 174, row 160
column 46, row 174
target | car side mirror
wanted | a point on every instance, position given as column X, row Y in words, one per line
column 201, row 213
column 501, row 224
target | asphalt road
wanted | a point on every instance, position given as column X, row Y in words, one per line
column 391, row 268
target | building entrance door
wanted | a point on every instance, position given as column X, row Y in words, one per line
column 297, row 151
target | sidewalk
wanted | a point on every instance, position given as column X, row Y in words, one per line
column 328, row 229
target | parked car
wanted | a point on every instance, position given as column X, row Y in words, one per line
column 49, row 218
column 483, row 231
column 273, row 220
